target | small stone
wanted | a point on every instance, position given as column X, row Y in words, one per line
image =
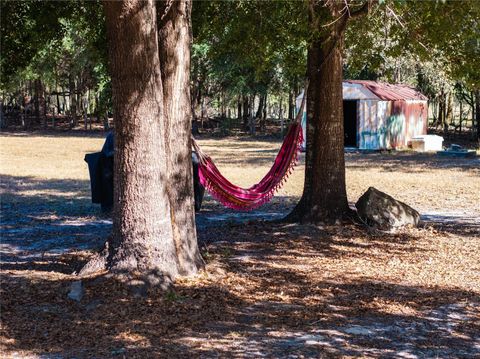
column 76, row 291
column 310, row 339
column 93, row 305
column 385, row 212
column 356, row 330
column 118, row 351
column 405, row 354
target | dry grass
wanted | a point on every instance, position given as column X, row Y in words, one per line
column 270, row 290
column 424, row 181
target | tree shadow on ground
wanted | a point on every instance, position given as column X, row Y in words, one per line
column 42, row 217
column 270, row 289
column 209, row 318
column 460, row 225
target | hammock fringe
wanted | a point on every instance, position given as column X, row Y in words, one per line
column 246, row 199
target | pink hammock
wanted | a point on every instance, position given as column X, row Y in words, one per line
column 245, row 199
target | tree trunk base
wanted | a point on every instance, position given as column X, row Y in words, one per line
column 320, row 216
column 98, row 263
column 139, row 281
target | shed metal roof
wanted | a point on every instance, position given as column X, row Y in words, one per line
column 389, row 92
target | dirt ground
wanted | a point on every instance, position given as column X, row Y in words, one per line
column 268, row 289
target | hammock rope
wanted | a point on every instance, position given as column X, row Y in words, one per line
column 245, row 199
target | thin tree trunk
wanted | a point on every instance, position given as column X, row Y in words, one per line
column 46, row 106
column 477, row 113
column 260, row 107
column 73, row 102
column 264, row 114
column 449, row 112
column 239, row 109
column 36, row 99
column 282, row 122
column 65, row 105
column 441, row 109
column 175, row 40
column 259, row 114
column 461, row 118
column 245, row 112
column 290, row 106
column 2, row 118
column 251, row 119
column 23, row 110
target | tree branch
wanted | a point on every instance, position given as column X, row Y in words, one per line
column 364, row 9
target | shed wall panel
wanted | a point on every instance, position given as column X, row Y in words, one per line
column 373, row 124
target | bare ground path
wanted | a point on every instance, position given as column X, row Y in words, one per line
column 269, row 290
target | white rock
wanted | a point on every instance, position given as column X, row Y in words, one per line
column 76, row 291
column 356, row 330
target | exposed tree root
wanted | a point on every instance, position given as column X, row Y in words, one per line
column 98, row 263
column 300, row 214
column 139, row 282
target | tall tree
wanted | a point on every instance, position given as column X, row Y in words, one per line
column 324, row 196
column 174, row 19
column 144, row 222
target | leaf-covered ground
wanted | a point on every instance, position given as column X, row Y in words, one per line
column 268, row 289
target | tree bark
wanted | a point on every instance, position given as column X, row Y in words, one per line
column 246, row 112
column 280, row 114
column 324, row 198
column 73, row 102
column 264, row 114
column 477, row 113
column 239, row 109
column 252, row 118
column 46, row 106
column 460, row 118
column 37, row 84
column 175, row 41
column 449, row 113
column 143, row 239
column 259, row 113
column 291, row 106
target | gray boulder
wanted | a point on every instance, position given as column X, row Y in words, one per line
column 383, row 211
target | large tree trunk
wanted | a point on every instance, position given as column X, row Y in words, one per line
column 175, row 41
column 324, row 197
column 143, row 239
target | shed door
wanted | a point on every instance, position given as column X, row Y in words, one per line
column 350, row 123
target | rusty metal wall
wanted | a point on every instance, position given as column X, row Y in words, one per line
column 415, row 113
column 390, row 124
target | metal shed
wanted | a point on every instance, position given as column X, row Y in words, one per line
column 380, row 115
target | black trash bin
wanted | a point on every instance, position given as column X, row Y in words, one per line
column 198, row 189
column 100, row 168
